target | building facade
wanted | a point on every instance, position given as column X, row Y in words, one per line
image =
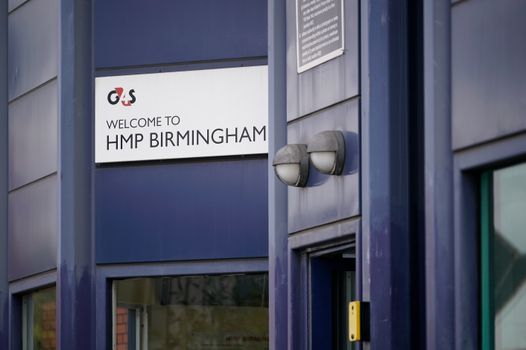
column 422, row 223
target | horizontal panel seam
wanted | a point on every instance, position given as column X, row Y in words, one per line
column 47, row 277
column 348, row 220
column 321, row 110
column 179, row 64
column 456, row 2
column 49, row 81
column 467, row 148
column 32, row 182
column 156, row 268
column 18, row 6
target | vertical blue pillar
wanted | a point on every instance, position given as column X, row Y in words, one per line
column 4, row 292
column 385, row 170
column 438, row 181
column 75, row 253
column 277, row 192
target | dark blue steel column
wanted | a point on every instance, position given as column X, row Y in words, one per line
column 438, row 177
column 385, row 164
column 75, row 326
column 4, row 326
column 277, row 192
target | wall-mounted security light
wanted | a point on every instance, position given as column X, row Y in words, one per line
column 291, row 164
column 327, row 152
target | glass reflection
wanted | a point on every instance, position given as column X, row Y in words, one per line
column 192, row 312
column 39, row 320
column 509, row 257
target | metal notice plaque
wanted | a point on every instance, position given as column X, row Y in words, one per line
column 319, row 28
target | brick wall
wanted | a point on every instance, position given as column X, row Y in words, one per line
column 122, row 329
column 49, row 321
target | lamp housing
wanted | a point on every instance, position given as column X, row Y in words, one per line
column 327, row 152
column 291, row 165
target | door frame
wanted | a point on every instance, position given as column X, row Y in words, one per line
column 300, row 248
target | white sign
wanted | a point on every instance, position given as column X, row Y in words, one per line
column 202, row 113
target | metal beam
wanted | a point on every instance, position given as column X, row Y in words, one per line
column 277, row 192
column 4, row 323
column 75, row 326
column 438, row 165
column 386, row 202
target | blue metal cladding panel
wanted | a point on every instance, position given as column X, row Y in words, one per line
column 327, row 198
column 33, row 135
column 330, row 82
column 488, row 70
column 32, row 46
column 181, row 211
column 135, row 32
column 32, row 228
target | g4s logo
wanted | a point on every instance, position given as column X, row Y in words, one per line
column 117, row 94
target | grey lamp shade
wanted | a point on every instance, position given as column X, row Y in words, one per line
column 327, row 152
column 291, row 165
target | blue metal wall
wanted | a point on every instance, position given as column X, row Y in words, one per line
column 184, row 209
column 372, row 94
column 488, row 88
column 156, row 211
column 33, row 66
column 135, row 33
column 325, row 97
column 217, row 208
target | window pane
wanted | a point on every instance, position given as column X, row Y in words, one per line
column 509, row 257
column 192, row 312
column 39, row 319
